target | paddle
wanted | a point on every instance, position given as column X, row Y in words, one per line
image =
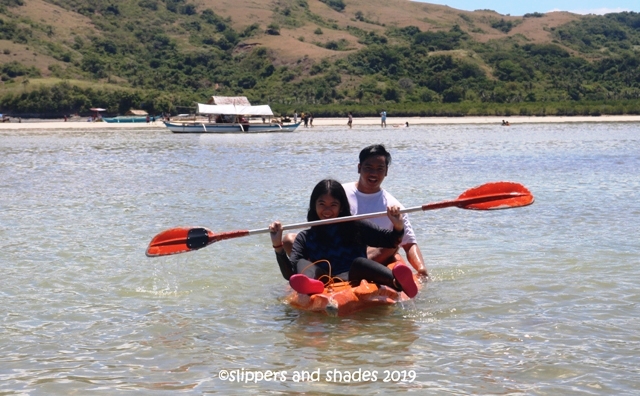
column 490, row 196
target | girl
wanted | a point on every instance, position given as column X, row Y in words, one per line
column 343, row 245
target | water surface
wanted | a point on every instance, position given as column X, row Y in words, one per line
column 536, row 300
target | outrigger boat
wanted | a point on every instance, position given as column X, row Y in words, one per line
column 231, row 115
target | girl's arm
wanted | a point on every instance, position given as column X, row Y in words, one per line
column 393, row 213
column 372, row 235
column 286, row 268
column 299, row 249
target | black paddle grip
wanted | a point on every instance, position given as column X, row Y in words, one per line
column 197, row 238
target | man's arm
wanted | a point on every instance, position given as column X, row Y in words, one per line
column 414, row 255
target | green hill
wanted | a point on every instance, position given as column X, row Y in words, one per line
column 328, row 56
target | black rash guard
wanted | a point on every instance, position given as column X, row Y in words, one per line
column 310, row 247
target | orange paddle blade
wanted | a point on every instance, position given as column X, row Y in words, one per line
column 489, row 196
column 186, row 239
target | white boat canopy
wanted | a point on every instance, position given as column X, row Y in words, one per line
column 229, row 100
column 262, row 110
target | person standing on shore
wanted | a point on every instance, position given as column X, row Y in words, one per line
column 350, row 120
column 383, row 119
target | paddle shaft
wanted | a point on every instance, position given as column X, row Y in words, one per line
column 489, row 196
column 436, row 205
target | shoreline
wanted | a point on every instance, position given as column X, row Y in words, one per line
column 340, row 121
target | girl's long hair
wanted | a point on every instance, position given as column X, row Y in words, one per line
column 335, row 189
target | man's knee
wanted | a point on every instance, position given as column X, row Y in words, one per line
column 381, row 255
column 287, row 242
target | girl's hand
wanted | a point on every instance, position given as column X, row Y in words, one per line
column 393, row 212
column 275, row 230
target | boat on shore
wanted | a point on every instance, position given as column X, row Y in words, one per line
column 131, row 116
column 230, row 127
column 127, row 119
column 231, row 115
column 343, row 298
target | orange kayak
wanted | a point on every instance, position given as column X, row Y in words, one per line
column 342, row 298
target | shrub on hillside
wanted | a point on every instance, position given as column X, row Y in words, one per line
column 337, row 5
column 273, row 29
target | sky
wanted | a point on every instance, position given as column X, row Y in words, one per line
column 519, row 8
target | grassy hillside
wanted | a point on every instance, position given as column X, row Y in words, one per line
column 329, row 56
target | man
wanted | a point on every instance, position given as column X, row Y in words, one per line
column 383, row 119
column 367, row 196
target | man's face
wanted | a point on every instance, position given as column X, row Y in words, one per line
column 372, row 172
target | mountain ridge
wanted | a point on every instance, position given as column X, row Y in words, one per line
column 169, row 53
column 242, row 13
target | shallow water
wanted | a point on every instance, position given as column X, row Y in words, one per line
column 536, row 300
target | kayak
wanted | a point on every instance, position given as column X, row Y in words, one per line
column 343, row 298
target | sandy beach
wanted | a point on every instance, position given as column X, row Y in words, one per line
column 362, row 121
column 400, row 121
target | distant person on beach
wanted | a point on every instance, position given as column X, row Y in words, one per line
column 311, row 120
column 350, row 120
column 295, row 116
column 383, row 119
column 407, row 124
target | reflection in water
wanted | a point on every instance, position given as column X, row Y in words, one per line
column 378, row 327
column 358, row 350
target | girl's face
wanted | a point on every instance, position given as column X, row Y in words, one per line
column 327, row 207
